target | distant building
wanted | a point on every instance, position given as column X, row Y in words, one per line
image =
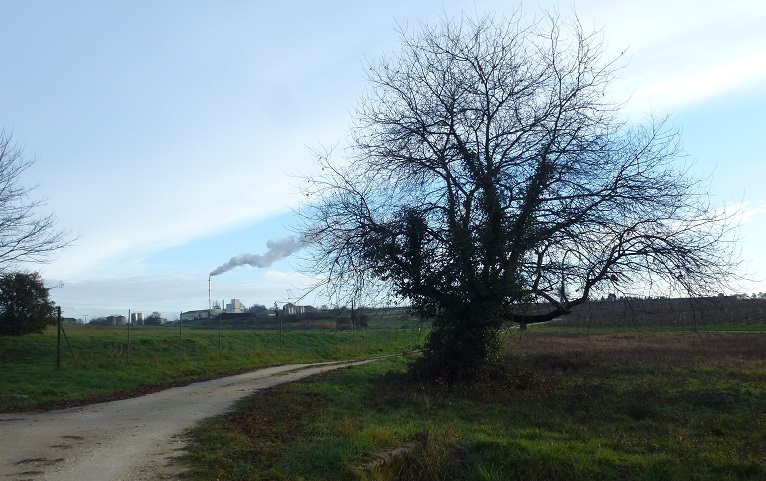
column 234, row 307
column 137, row 318
column 291, row 309
column 116, row 320
column 200, row 314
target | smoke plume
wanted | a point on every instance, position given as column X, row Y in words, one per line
column 277, row 249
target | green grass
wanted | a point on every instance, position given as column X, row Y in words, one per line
column 105, row 363
column 638, row 406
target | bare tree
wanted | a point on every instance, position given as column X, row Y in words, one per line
column 25, row 235
column 491, row 180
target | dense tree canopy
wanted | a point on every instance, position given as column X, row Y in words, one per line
column 491, row 179
column 24, row 304
column 153, row 319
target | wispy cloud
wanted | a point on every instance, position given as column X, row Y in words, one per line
column 748, row 211
column 686, row 55
column 678, row 89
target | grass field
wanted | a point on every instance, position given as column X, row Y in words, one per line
column 741, row 327
column 568, row 406
column 106, row 363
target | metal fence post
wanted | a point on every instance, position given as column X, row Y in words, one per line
column 128, row 336
column 58, row 338
column 180, row 334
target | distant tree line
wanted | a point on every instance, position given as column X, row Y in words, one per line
column 663, row 312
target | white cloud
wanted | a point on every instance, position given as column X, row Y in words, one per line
column 164, row 293
column 679, row 88
column 748, row 211
column 682, row 53
column 199, row 133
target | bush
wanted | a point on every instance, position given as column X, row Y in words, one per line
column 24, row 304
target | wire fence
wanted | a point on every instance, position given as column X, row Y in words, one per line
column 721, row 312
column 130, row 338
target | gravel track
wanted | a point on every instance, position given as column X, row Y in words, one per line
column 130, row 439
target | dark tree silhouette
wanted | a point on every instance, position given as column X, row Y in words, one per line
column 492, row 180
column 24, row 304
column 153, row 319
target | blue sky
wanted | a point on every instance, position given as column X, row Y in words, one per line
column 168, row 134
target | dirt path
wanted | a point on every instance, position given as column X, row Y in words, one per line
column 131, row 439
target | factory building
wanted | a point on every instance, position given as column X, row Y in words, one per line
column 200, row 314
column 137, row 318
column 291, row 309
column 116, row 320
column 234, row 307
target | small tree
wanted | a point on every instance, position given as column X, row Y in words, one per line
column 24, row 304
column 154, row 319
column 493, row 181
column 257, row 308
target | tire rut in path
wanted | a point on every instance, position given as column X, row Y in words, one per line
column 131, row 439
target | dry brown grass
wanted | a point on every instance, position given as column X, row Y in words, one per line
column 715, row 350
